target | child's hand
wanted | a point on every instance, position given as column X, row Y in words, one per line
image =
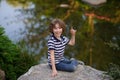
column 54, row 73
column 72, row 31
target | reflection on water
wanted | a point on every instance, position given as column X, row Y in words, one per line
column 97, row 38
column 12, row 19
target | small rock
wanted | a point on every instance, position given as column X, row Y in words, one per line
column 2, row 75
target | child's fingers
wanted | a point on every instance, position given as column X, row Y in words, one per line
column 73, row 28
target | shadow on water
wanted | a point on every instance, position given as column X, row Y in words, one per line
column 98, row 31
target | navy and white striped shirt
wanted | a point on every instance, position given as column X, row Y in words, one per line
column 58, row 46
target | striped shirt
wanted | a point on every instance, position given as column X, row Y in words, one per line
column 58, row 46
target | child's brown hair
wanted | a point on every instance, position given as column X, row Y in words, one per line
column 54, row 22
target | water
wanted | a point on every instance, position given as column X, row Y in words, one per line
column 12, row 20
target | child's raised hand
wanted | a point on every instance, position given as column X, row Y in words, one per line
column 72, row 31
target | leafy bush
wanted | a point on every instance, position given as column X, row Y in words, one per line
column 12, row 61
column 114, row 71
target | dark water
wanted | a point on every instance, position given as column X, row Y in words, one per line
column 97, row 38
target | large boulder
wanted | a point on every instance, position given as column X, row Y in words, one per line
column 43, row 72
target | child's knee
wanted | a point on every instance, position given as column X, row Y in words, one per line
column 73, row 68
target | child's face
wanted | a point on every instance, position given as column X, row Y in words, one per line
column 57, row 30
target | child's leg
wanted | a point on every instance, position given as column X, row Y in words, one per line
column 67, row 61
column 73, row 61
column 67, row 65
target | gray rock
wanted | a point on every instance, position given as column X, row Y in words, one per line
column 83, row 72
column 95, row 2
column 2, row 75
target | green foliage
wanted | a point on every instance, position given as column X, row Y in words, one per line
column 114, row 71
column 12, row 61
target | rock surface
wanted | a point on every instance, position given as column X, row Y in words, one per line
column 95, row 2
column 2, row 75
column 83, row 72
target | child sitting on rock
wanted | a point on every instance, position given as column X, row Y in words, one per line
column 56, row 47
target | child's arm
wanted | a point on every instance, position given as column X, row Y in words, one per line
column 54, row 71
column 72, row 40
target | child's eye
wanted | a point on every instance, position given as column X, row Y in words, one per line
column 54, row 28
column 60, row 27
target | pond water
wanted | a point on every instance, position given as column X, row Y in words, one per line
column 12, row 20
column 97, row 40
